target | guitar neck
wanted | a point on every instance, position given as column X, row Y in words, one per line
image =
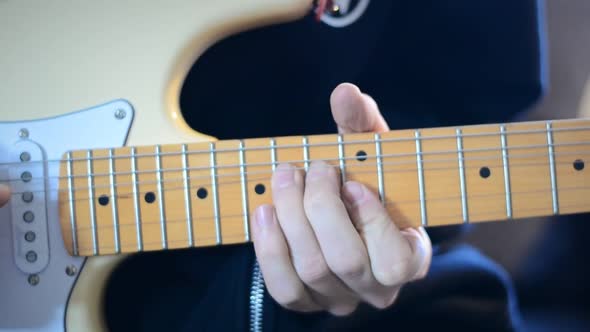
column 191, row 195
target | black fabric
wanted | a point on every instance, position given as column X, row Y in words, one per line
column 427, row 63
column 165, row 291
column 208, row 290
column 554, row 278
column 464, row 290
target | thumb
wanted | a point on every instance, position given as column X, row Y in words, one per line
column 4, row 194
column 354, row 111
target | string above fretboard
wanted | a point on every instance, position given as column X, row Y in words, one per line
column 175, row 196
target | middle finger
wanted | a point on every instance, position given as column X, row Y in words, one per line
column 308, row 259
column 338, row 239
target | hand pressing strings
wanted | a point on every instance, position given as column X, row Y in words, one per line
column 323, row 246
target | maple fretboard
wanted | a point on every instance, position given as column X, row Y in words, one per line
column 132, row 199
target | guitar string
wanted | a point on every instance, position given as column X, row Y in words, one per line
column 241, row 236
column 372, row 142
column 250, row 174
column 211, row 218
column 471, row 214
column 411, row 156
column 263, row 176
column 299, row 146
column 351, row 158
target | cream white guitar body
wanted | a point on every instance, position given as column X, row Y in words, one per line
column 77, row 74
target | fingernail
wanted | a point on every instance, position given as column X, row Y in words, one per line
column 415, row 242
column 318, row 170
column 264, row 215
column 284, row 175
column 354, row 192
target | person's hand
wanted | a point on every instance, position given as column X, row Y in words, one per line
column 323, row 247
column 4, row 194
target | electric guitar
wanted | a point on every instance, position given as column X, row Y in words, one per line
column 102, row 165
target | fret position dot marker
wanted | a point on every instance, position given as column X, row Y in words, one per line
column 361, row 155
column 260, row 189
column 202, row 193
column 579, row 165
column 150, row 197
column 103, row 200
column 485, row 172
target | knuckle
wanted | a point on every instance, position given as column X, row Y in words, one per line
column 317, row 202
column 397, row 274
column 375, row 221
column 351, row 267
column 288, row 296
column 312, row 270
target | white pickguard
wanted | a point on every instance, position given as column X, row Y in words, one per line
column 42, row 307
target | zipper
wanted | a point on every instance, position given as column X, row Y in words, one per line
column 256, row 299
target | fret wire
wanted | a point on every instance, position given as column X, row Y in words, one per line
column 273, row 153
column 72, row 206
column 305, row 153
column 552, row 168
column 114, row 203
column 215, row 193
column 187, row 197
column 161, row 198
column 136, row 200
column 243, row 180
column 379, row 168
column 95, row 249
column 341, row 159
column 506, row 172
column 386, row 140
column 421, row 178
column 460, row 156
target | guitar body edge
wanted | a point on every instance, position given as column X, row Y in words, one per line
column 85, row 305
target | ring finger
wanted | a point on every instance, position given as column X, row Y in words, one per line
column 307, row 256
